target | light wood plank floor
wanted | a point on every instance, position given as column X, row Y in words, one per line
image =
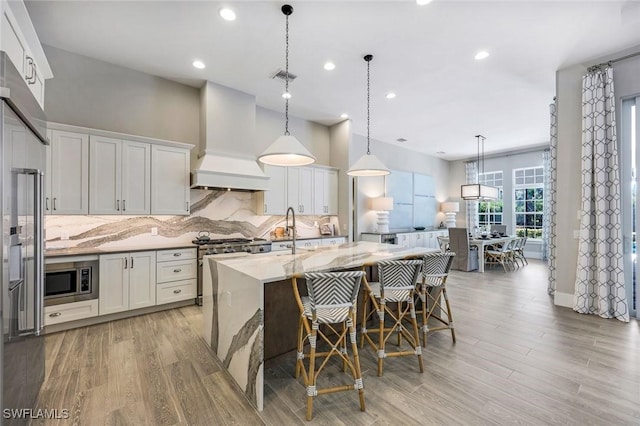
column 518, row 360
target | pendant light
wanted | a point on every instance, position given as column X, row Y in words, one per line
column 368, row 164
column 286, row 150
column 476, row 191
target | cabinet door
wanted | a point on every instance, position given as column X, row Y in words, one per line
column 169, row 180
column 10, row 43
column 319, row 206
column 305, row 190
column 275, row 199
column 293, row 189
column 114, row 283
column 331, row 192
column 47, row 176
column 69, row 173
column 404, row 240
column 105, row 172
column 136, row 178
column 142, row 279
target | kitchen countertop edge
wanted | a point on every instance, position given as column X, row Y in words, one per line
column 77, row 251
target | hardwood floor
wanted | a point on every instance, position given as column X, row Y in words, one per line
column 518, row 359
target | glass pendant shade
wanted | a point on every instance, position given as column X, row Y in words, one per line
column 286, row 151
column 368, row 165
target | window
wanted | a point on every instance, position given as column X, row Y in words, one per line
column 490, row 212
column 529, row 201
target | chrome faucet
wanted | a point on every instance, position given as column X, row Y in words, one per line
column 293, row 214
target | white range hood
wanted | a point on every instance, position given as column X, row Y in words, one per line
column 227, row 129
column 222, row 170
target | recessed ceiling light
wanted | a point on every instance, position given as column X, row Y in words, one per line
column 440, row 152
column 329, row 66
column 422, row 2
column 483, row 54
column 390, row 95
column 345, row 115
column 401, row 140
column 198, row 64
column 286, row 95
column 227, row 14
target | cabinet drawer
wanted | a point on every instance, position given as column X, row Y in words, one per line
column 333, row 241
column 309, row 243
column 70, row 311
column 175, row 291
column 281, row 246
column 178, row 254
column 175, row 271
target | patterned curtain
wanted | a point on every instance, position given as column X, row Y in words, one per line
column 600, row 274
column 546, row 216
column 471, row 169
column 550, row 198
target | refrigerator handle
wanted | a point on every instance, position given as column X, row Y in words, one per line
column 38, row 251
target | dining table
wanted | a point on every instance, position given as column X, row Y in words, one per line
column 483, row 243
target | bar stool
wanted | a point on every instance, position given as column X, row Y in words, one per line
column 331, row 301
column 398, row 280
column 435, row 271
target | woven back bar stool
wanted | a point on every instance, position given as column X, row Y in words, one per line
column 398, row 280
column 331, row 301
column 435, row 271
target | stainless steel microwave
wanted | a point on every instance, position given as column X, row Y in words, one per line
column 70, row 282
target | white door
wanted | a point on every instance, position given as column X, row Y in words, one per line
column 169, row 180
column 275, row 199
column 142, row 279
column 136, row 178
column 105, row 172
column 69, row 173
column 114, row 283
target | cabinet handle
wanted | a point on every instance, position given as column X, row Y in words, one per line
column 54, row 203
column 186, row 205
column 177, row 291
column 55, row 314
column 118, row 205
column 132, row 262
column 46, row 203
column 35, row 73
column 177, row 270
column 31, row 78
column 124, row 206
column 125, row 262
column 177, row 254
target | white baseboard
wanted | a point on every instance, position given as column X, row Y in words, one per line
column 567, row 300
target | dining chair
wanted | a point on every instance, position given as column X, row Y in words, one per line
column 500, row 229
column 500, row 254
column 466, row 258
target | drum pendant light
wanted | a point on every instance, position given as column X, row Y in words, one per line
column 476, row 191
column 286, row 150
column 368, row 164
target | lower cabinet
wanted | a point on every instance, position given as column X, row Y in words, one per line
column 176, row 291
column 334, row 241
column 127, row 281
column 70, row 312
column 176, row 275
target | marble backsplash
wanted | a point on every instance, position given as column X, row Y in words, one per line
column 224, row 214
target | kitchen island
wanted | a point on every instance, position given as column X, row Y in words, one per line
column 234, row 299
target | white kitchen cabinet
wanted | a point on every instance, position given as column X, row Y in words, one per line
column 65, row 312
column 176, row 275
column 280, row 245
column 300, row 189
column 273, row 201
column 119, row 176
column 334, row 241
column 309, row 244
column 169, row 180
column 20, row 41
column 176, row 291
column 127, row 281
column 68, row 173
column 325, row 191
column 407, row 239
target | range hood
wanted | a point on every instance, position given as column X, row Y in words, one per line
column 226, row 171
column 227, row 134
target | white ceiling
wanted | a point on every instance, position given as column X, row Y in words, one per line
column 423, row 53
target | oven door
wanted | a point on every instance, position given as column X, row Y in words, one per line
column 60, row 283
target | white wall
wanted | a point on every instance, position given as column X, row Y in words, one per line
column 96, row 94
column 569, row 93
column 395, row 158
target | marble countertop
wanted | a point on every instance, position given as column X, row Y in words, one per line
column 277, row 266
column 405, row 231
column 76, row 251
column 319, row 237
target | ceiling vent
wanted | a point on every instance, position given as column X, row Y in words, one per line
column 401, row 140
column 281, row 74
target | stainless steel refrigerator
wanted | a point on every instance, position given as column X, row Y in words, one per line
column 23, row 159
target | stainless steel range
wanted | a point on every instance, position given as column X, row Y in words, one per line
column 230, row 245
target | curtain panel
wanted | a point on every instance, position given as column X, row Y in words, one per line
column 550, row 196
column 471, row 174
column 599, row 285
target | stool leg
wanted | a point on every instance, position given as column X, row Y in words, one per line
column 446, row 300
column 399, row 306
column 416, row 333
column 311, row 386
column 363, row 324
column 424, row 292
column 300, row 347
column 356, row 360
column 344, row 347
column 381, row 336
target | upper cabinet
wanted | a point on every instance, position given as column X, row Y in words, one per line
column 309, row 190
column 20, row 41
column 119, row 177
column 325, row 191
column 68, row 174
column 169, row 180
